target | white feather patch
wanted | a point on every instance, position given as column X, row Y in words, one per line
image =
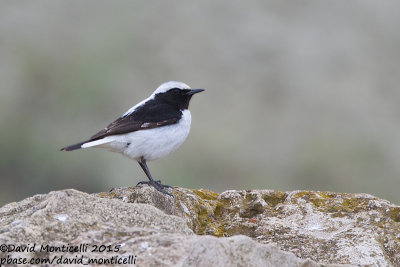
column 96, row 143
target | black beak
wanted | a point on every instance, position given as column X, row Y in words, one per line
column 194, row 91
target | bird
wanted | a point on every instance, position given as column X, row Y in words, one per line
column 152, row 129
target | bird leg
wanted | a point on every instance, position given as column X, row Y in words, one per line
column 156, row 184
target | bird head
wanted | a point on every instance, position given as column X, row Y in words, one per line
column 175, row 93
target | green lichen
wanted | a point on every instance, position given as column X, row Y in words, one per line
column 338, row 204
column 206, row 223
column 318, row 200
column 221, row 208
column 274, row 198
column 221, row 231
column 205, row 194
column 394, row 214
column 215, row 216
column 210, row 214
column 353, row 204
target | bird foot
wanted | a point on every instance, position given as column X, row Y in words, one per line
column 157, row 185
column 157, row 181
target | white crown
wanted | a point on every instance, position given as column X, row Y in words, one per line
column 169, row 85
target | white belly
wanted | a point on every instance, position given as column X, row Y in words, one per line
column 151, row 144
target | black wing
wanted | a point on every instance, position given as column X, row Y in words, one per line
column 150, row 115
column 122, row 125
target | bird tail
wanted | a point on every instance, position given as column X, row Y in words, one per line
column 95, row 142
column 85, row 144
column 73, row 147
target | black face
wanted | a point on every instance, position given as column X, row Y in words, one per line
column 176, row 97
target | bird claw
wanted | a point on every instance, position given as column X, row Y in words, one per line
column 157, row 185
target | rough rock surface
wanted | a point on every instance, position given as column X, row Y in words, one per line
column 151, row 237
column 335, row 228
column 203, row 228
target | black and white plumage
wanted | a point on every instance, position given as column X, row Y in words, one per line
column 150, row 130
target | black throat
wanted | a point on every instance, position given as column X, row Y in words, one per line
column 164, row 106
column 177, row 98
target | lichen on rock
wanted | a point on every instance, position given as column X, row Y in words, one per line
column 139, row 231
column 204, row 228
column 327, row 227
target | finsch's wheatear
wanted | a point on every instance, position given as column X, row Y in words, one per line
column 150, row 130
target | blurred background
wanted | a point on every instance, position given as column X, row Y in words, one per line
column 299, row 94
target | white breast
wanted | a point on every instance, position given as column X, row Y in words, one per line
column 151, row 144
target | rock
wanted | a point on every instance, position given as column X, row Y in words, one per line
column 66, row 226
column 330, row 228
column 202, row 228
